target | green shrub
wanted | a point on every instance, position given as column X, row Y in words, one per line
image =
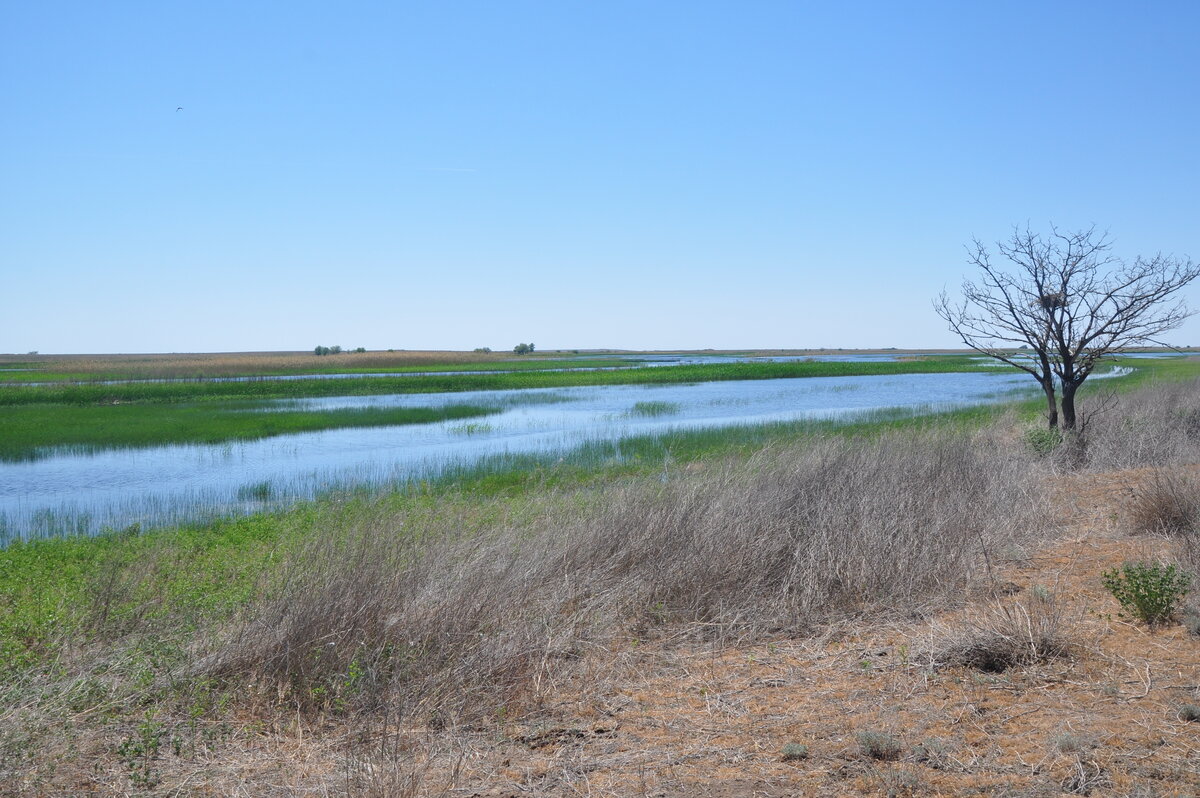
column 1190, row 713
column 793, row 752
column 1148, row 591
column 1043, row 440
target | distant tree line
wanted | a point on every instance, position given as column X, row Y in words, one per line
column 335, row 350
column 523, row 349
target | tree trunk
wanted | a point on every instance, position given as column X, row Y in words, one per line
column 1068, row 406
column 1051, row 404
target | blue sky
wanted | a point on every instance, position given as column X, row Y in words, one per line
column 636, row 175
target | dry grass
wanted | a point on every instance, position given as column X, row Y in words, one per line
column 1166, row 502
column 1156, row 426
column 454, row 624
column 1007, row 634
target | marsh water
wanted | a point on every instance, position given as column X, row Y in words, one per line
column 68, row 492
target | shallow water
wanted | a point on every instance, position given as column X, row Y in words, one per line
column 82, row 493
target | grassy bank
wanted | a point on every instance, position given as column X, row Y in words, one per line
column 89, row 393
column 348, row 364
column 33, row 431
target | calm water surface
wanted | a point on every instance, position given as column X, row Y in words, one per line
column 71, row 492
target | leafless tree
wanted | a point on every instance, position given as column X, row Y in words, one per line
column 1070, row 302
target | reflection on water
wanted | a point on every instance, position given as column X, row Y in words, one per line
column 153, row 486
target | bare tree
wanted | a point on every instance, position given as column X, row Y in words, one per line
column 1068, row 300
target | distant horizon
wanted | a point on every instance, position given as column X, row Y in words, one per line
column 581, row 350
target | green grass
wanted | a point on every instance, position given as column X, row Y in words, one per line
column 32, row 431
column 654, row 409
column 91, row 393
column 342, row 367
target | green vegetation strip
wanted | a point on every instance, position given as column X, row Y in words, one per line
column 91, row 393
column 31, row 431
column 34, row 374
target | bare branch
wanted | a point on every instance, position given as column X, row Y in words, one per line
column 1068, row 299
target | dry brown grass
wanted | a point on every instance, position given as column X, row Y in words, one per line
column 1156, row 426
column 1165, row 502
column 455, row 624
column 1009, row 633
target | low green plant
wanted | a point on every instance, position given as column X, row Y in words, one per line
column 879, row 745
column 794, row 752
column 1148, row 591
column 1043, row 441
column 1190, row 713
column 139, row 752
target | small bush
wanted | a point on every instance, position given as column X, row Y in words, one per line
column 793, row 752
column 931, row 752
column 1147, row 591
column 879, row 745
column 1070, row 744
column 1043, row 440
column 1189, row 713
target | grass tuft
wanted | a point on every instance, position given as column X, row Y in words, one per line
column 879, row 745
column 1009, row 634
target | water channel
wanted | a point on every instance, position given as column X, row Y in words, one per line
column 68, row 492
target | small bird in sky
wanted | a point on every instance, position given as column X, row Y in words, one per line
column 180, row 108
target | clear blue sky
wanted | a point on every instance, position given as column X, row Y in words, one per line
column 579, row 174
